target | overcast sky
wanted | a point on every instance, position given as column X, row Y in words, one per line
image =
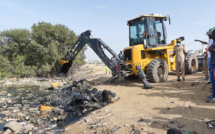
column 108, row 19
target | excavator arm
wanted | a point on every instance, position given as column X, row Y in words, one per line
column 98, row 47
column 118, row 68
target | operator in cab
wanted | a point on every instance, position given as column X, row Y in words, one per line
column 180, row 51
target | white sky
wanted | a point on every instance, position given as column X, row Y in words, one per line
column 108, row 19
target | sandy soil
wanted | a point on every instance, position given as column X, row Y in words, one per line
column 170, row 104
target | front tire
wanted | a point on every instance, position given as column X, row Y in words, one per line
column 157, row 71
column 191, row 64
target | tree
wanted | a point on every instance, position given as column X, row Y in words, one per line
column 50, row 42
column 30, row 53
column 5, row 67
column 14, row 42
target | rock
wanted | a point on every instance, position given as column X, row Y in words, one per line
column 10, row 119
column 9, row 95
column 114, row 129
column 29, row 127
column 114, row 99
column 60, row 130
column 141, row 120
column 13, row 125
column 87, row 119
column 180, row 125
column 195, row 84
column 51, row 127
column 8, row 131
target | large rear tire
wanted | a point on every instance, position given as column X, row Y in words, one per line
column 157, row 71
column 191, row 64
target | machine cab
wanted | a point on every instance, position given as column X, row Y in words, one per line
column 148, row 30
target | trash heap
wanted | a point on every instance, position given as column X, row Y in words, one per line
column 34, row 114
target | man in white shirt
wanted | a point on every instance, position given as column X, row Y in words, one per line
column 209, row 43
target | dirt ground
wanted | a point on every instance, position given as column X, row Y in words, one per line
column 170, row 104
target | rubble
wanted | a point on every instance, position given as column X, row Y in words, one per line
column 210, row 123
column 47, row 111
column 13, row 126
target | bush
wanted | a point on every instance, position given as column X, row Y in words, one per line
column 25, row 53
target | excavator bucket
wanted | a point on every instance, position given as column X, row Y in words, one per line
column 62, row 67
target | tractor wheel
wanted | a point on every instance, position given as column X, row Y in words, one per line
column 157, row 71
column 191, row 64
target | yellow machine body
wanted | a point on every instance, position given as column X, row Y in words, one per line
column 142, row 57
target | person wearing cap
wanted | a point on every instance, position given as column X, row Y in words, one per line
column 180, row 51
column 212, row 67
column 208, row 55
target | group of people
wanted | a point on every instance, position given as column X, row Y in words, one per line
column 209, row 62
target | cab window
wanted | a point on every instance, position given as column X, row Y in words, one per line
column 160, row 33
column 152, row 38
column 137, row 32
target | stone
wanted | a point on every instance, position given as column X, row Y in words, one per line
column 13, row 125
column 9, row 95
column 87, row 119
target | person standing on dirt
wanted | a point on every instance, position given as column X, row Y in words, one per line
column 180, row 52
column 212, row 67
column 206, row 62
column 208, row 54
column 206, row 67
column 107, row 70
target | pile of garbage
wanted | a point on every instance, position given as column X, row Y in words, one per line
column 40, row 114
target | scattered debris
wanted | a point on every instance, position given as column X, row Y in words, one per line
column 28, row 110
column 176, row 85
column 135, row 130
column 114, row 129
column 210, row 123
column 141, row 120
column 195, row 84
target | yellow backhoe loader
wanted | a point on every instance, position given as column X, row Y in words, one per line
column 148, row 55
